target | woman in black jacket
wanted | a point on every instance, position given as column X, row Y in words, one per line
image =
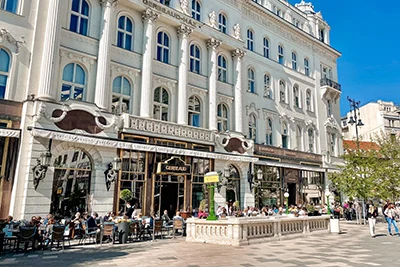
column 371, row 215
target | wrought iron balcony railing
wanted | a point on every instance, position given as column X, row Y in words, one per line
column 330, row 83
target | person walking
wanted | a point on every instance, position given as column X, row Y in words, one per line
column 391, row 214
column 371, row 215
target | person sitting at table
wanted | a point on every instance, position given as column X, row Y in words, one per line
column 93, row 225
column 129, row 210
column 146, row 225
column 9, row 219
column 179, row 217
column 165, row 218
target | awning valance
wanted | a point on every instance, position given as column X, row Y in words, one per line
column 90, row 140
column 9, row 133
column 291, row 166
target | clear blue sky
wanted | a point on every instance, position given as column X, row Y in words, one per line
column 367, row 34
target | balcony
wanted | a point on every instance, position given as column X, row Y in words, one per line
column 330, row 89
column 166, row 129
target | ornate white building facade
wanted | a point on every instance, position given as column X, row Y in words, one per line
column 174, row 89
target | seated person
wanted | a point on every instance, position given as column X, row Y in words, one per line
column 93, row 225
column 166, row 219
column 179, row 217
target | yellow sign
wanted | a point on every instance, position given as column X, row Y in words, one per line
column 211, row 179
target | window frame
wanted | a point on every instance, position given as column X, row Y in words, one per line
column 267, row 86
column 74, row 84
column 4, row 5
column 311, row 140
column 252, row 127
column 296, row 96
column 250, row 40
column 307, row 67
column 221, row 119
column 266, row 47
column 294, row 61
column 194, row 61
column 251, row 80
column 309, row 100
column 285, row 135
column 196, row 10
column 269, row 132
column 194, row 112
column 222, row 70
column 161, row 48
column 281, row 54
column 222, row 22
column 121, row 96
column 125, row 32
column 159, row 103
column 299, row 138
column 282, row 91
column 6, row 73
column 80, row 17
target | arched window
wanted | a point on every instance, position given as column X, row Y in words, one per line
column 252, row 127
column 285, row 135
column 250, row 40
column 121, row 95
column 299, row 138
column 267, row 86
column 294, row 61
column 196, row 10
column 251, row 82
column 233, row 189
column 222, row 118
column 281, row 55
column 332, row 144
column 73, row 82
column 310, row 141
column 194, row 59
column 266, row 47
column 79, row 21
column 296, row 96
column 309, row 100
column 194, row 111
column 161, row 104
column 282, row 91
column 165, row 2
column 269, row 130
column 163, row 47
column 222, row 22
column 306, row 67
column 222, row 69
column 125, row 33
column 9, row 5
column 4, row 71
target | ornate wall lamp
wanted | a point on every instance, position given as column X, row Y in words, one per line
column 42, row 164
column 111, row 173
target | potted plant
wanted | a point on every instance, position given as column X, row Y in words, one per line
column 125, row 195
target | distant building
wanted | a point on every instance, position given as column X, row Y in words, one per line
column 378, row 117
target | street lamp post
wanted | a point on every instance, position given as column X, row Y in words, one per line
column 327, row 201
column 356, row 120
column 355, row 116
column 286, row 195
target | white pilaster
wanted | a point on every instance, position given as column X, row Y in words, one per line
column 238, row 55
column 101, row 98
column 50, row 49
column 213, row 45
column 183, row 32
column 149, row 17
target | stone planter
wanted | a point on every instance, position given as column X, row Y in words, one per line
column 123, row 232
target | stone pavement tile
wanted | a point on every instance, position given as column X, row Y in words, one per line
column 247, row 265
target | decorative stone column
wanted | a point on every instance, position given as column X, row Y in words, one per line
column 237, row 56
column 101, row 97
column 50, row 52
column 149, row 17
column 213, row 45
column 183, row 31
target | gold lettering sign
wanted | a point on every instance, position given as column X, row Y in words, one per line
column 170, row 12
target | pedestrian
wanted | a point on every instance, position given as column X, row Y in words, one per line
column 371, row 215
column 391, row 214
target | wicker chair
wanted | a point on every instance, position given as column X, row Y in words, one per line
column 157, row 228
column 57, row 235
column 178, row 225
column 108, row 230
column 26, row 235
column 134, row 230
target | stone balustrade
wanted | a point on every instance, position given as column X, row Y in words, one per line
column 245, row 231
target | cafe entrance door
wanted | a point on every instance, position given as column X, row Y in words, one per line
column 169, row 194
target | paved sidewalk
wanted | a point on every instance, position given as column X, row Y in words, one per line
column 353, row 248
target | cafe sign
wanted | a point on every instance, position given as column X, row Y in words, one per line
column 211, row 177
column 174, row 165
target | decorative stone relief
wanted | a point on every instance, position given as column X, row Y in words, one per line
column 213, row 20
column 185, row 6
column 164, row 82
column 213, row 43
column 198, row 91
column 332, row 123
column 171, row 129
column 239, row 53
column 79, row 38
column 269, row 114
column 252, row 109
column 225, row 98
column 149, row 15
column 87, row 61
column 5, row 35
column 184, row 30
column 236, row 31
